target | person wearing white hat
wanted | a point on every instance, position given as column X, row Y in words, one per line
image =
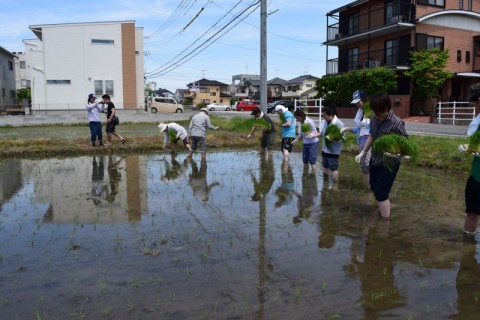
column 95, row 122
column 197, row 130
column 173, row 129
column 287, row 123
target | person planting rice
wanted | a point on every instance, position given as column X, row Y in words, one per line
column 332, row 146
column 382, row 174
column 173, row 132
column 308, row 132
column 287, row 123
column 264, row 123
column 472, row 188
column 362, row 129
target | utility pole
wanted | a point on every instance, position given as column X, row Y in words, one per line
column 263, row 56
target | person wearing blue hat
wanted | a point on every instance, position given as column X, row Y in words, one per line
column 362, row 129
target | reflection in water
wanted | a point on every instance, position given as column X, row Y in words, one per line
column 264, row 183
column 198, row 180
column 286, row 191
column 262, row 186
column 114, row 177
column 306, row 201
column 98, row 173
column 379, row 292
column 237, row 255
column 173, row 169
column 467, row 283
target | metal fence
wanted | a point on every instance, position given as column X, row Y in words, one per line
column 455, row 112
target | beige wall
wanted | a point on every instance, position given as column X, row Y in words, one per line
column 129, row 66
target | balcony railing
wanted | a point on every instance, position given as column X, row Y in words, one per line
column 353, row 24
column 367, row 60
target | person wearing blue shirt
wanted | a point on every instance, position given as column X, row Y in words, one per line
column 287, row 123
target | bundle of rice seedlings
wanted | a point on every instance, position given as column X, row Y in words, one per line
column 172, row 134
column 333, row 134
column 262, row 123
column 392, row 146
column 474, row 143
column 305, row 128
column 367, row 112
column 282, row 117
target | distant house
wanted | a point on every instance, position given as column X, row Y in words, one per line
column 275, row 88
column 300, row 87
column 180, row 96
column 164, row 93
column 208, row 91
column 241, row 87
column 7, row 79
column 68, row 61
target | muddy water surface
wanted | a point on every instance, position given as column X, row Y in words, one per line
column 238, row 237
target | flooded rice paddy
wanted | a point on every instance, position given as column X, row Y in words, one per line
column 238, row 237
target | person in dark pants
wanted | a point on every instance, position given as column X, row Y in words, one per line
column 268, row 130
column 383, row 122
column 110, row 124
column 95, row 123
column 472, row 189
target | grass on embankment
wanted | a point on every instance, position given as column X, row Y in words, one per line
column 72, row 140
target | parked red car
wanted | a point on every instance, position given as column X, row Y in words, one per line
column 246, row 105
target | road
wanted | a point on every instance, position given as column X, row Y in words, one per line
column 139, row 116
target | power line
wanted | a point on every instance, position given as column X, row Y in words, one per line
column 166, row 66
column 180, row 63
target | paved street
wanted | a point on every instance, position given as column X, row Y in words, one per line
column 140, row 116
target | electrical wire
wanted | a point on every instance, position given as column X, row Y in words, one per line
column 183, row 60
column 165, row 65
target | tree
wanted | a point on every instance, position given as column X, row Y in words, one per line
column 24, row 93
column 150, row 89
column 337, row 90
column 427, row 71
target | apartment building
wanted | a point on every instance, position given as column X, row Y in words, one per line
column 368, row 34
column 68, row 61
column 7, row 79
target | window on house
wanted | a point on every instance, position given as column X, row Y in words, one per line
column 22, row 64
column 353, row 63
column 28, row 84
column 58, row 82
column 12, row 94
column 3, row 92
column 391, row 12
column 308, row 85
column 469, row 5
column 438, row 3
column 23, row 83
column 102, row 41
column 103, row 87
column 391, row 49
column 213, row 94
column 424, row 41
column 204, row 90
column 207, row 101
column 460, row 5
column 10, row 65
column 353, row 22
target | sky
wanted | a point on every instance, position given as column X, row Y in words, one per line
column 187, row 40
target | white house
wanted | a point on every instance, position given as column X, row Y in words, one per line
column 68, row 61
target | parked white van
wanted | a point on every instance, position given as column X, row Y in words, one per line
column 163, row 104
